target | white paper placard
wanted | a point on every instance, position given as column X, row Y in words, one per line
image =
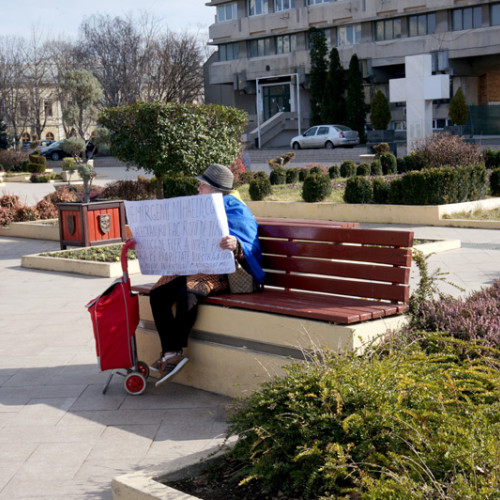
column 180, row 236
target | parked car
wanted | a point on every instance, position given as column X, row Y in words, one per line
column 55, row 152
column 326, row 136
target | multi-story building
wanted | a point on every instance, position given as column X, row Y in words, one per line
column 262, row 60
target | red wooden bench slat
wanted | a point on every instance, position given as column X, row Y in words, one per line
column 334, row 286
column 304, row 222
column 334, row 268
column 338, row 234
column 302, row 304
column 380, row 255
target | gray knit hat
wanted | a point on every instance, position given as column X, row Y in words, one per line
column 217, row 176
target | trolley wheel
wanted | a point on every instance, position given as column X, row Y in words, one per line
column 135, row 383
column 143, row 368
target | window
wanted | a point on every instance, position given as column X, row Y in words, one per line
column 424, row 24
column 283, row 5
column 23, row 108
column 227, row 12
column 348, row 35
column 495, row 14
column 47, row 108
column 229, row 51
column 261, row 47
column 314, row 2
column 468, row 18
column 388, row 29
column 285, row 44
column 258, row 7
column 49, row 136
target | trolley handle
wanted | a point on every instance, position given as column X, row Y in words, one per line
column 130, row 243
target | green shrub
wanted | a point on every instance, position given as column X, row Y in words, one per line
column 375, row 168
column 414, row 161
column 316, row 187
column 303, row 173
column 68, row 163
column 259, row 188
column 179, row 185
column 401, row 165
column 316, row 169
column 410, row 424
column 36, row 163
column 141, row 189
column 292, row 175
column 334, row 172
column 495, row 182
column 381, row 190
column 363, row 169
column 396, row 192
column 246, row 177
column 347, row 168
column 358, row 189
column 40, row 177
column 380, row 111
column 381, row 148
column 389, row 163
column 491, row 158
column 261, row 175
column 277, row 176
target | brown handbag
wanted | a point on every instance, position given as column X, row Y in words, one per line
column 241, row 281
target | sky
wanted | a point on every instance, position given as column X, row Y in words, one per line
column 62, row 18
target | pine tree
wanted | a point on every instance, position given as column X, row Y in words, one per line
column 4, row 142
column 458, row 112
column 356, row 114
column 318, row 72
column 334, row 103
column 380, row 112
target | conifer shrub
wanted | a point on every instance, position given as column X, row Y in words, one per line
column 292, row 175
column 277, row 176
column 36, row 163
column 396, row 195
column 363, row 169
column 491, row 158
column 347, row 168
column 316, row 187
column 68, row 163
column 334, row 172
column 389, row 163
column 381, row 148
column 495, row 182
column 175, row 184
column 260, row 187
column 246, row 177
column 358, row 189
column 381, row 191
column 41, row 178
column 401, row 165
column 316, row 169
column 303, row 173
column 375, row 168
column 140, row 189
column 411, row 423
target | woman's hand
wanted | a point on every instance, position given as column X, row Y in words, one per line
column 229, row 243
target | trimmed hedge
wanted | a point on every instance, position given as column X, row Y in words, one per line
column 317, row 187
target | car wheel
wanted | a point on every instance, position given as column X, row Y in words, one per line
column 296, row 145
column 55, row 156
column 329, row 145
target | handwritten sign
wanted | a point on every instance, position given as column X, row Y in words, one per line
column 180, row 236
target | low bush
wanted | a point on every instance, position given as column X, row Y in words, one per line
column 41, row 178
column 389, row 164
column 260, row 187
column 401, row 165
column 246, row 177
column 13, row 161
column 495, row 182
column 411, row 424
column 381, row 191
column 363, row 169
column 46, row 209
column 141, row 189
column 277, row 176
column 67, row 164
column 36, row 163
column 375, row 168
column 179, row 185
column 292, row 175
column 347, row 168
column 316, row 187
column 334, row 172
column 491, row 158
column 358, row 189
column 303, row 173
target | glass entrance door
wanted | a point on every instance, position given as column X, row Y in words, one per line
column 276, row 99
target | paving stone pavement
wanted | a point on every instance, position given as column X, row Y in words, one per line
column 60, row 437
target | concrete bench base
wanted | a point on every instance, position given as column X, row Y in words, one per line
column 233, row 351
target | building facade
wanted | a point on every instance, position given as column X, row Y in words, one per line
column 262, row 60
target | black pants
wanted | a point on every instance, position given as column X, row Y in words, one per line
column 174, row 330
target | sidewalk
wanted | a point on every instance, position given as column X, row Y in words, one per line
column 60, row 437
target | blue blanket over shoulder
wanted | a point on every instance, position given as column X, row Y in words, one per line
column 243, row 225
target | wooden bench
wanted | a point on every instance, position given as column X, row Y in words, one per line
column 325, row 285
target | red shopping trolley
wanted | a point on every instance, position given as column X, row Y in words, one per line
column 115, row 316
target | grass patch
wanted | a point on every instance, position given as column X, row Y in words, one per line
column 107, row 253
column 476, row 215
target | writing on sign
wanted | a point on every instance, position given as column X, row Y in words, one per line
column 180, row 236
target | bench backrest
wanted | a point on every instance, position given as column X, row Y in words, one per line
column 366, row 263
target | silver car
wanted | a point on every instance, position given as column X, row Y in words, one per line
column 326, row 136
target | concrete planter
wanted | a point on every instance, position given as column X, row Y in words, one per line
column 38, row 230
column 85, row 267
column 68, row 176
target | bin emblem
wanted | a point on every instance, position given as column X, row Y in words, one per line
column 104, row 223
